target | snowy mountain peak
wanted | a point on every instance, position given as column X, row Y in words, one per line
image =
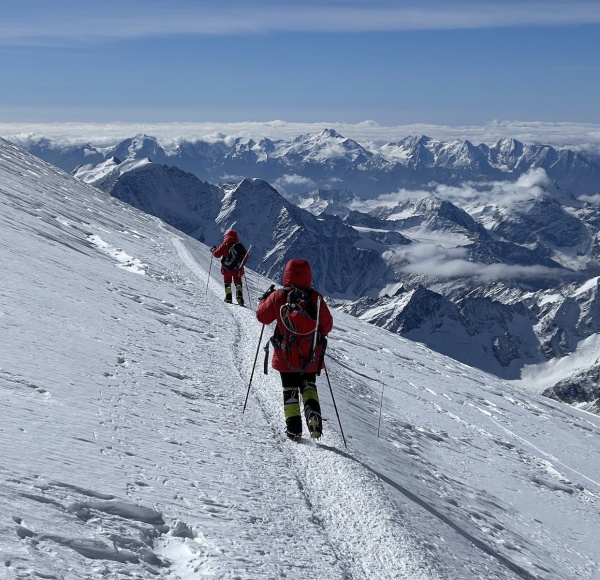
column 91, row 173
column 330, row 134
column 328, row 145
column 415, row 141
column 509, row 147
column 108, row 171
column 137, row 147
column 251, row 185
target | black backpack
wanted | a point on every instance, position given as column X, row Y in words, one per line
column 234, row 258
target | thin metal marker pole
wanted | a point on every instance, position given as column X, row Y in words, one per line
column 209, row 269
column 380, row 408
column 241, row 266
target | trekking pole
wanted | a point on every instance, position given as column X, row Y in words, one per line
column 314, row 344
column 209, row 269
column 253, row 367
column 247, row 252
column 335, row 406
column 380, row 407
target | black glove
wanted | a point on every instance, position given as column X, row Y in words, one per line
column 270, row 291
column 213, row 248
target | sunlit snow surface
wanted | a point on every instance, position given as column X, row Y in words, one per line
column 125, row 452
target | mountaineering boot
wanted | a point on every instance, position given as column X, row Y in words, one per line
column 239, row 295
column 313, row 420
column 228, row 293
column 312, row 409
column 291, row 410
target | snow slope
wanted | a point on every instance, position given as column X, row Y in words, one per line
column 125, row 452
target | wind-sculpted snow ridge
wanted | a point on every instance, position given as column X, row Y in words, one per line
column 125, row 452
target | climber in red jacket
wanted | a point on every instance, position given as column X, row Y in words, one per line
column 233, row 256
column 303, row 322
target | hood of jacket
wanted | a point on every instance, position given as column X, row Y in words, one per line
column 297, row 272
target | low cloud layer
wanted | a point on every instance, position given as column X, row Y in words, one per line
column 505, row 194
column 434, row 260
column 444, row 260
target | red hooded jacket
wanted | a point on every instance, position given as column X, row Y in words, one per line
column 297, row 273
column 231, row 238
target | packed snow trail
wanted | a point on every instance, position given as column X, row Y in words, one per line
column 365, row 546
column 347, row 503
column 345, row 494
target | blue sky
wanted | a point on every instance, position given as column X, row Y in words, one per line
column 392, row 62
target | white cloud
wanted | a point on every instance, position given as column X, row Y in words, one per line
column 501, row 193
column 293, row 179
column 388, row 200
column 528, row 186
column 595, row 199
column 292, row 182
column 535, row 178
column 37, row 22
column 435, row 260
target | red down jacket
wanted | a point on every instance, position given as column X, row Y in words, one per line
column 297, row 273
column 231, row 239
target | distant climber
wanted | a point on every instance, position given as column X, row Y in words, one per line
column 233, row 256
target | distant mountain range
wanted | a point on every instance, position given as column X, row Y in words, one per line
column 497, row 265
column 328, row 160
